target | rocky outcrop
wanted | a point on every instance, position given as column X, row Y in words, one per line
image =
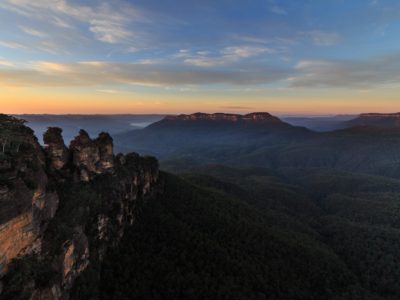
column 86, row 194
column 56, row 151
column 75, row 257
column 91, row 157
column 106, row 149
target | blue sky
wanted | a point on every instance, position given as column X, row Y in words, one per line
column 229, row 53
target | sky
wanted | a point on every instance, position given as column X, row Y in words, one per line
column 182, row 56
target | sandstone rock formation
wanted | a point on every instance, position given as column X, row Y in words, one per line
column 57, row 152
column 87, row 194
column 26, row 202
column 75, row 257
column 91, row 157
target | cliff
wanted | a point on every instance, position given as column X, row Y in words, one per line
column 26, row 202
column 62, row 208
column 391, row 120
column 252, row 117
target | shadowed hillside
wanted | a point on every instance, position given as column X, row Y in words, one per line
column 268, row 143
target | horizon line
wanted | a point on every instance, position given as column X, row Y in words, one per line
column 282, row 114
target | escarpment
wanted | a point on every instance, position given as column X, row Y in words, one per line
column 62, row 208
column 258, row 117
column 26, row 201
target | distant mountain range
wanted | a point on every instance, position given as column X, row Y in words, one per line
column 116, row 124
column 175, row 133
column 377, row 120
column 331, row 123
column 320, row 123
column 260, row 139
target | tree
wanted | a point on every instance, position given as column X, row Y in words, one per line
column 11, row 132
column 5, row 135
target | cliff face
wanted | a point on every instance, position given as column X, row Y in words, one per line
column 57, row 152
column 62, row 208
column 252, row 117
column 26, row 203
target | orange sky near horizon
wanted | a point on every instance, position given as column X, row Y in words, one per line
column 47, row 101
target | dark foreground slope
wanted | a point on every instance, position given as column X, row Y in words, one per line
column 356, row 215
column 197, row 242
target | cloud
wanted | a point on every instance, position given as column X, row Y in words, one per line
column 110, row 32
column 43, row 46
column 323, row 38
column 245, row 51
column 278, row 10
column 362, row 74
column 374, row 2
column 60, row 23
column 52, row 74
column 12, row 45
column 6, row 63
column 32, row 31
column 51, row 67
column 234, row 107
column 107, row 91
column 227, row 55
column 108, row 23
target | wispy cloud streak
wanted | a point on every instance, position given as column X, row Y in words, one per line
column 367, row 73
column 87, row 74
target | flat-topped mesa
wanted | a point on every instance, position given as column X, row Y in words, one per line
column 56, row 151
column 385, row 120
column 92, row 157
column 252, row 117
column 203, row 117
column 380, row 115
column 261, row 117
